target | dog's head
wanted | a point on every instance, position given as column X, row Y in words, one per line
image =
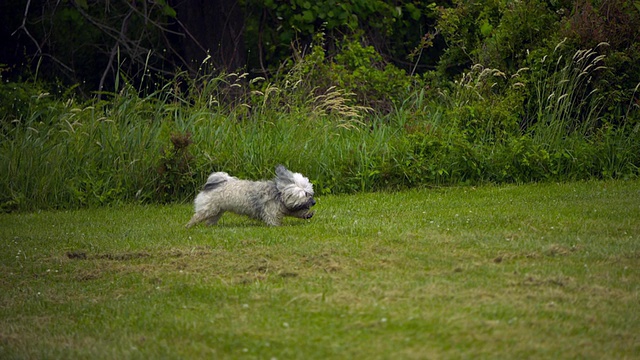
column 295, row 190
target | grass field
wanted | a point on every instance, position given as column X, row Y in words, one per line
column 508, row 272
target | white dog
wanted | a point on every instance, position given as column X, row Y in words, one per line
column 288, row 194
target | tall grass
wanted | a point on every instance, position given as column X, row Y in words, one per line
column 125, row 149
column 79, row 155
column 538, row 124
column 568, row 118
column 566, row 102
column 161, row 146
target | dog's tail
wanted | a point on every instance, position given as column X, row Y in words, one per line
column 216, row 179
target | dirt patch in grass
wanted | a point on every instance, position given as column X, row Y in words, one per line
column 561, row 281
column 81, row 255
column 560, row 250
column 324, row 261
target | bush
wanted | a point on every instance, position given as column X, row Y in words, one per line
column 161, row 147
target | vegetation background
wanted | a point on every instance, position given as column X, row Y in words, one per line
column 120, row 101
column 124, row 103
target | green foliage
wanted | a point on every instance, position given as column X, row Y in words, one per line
column 26, row 99
column 82, row 155
column 175, row 169
column 356, row 69
column 541, row 123
column 495, row 34
column 566, row 102
column 361, row 70
column 523, row 26
column 273, row 26
column 485, row 105
column 619, row 84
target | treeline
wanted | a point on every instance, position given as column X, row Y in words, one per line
column 112, row 102
column 91, row 43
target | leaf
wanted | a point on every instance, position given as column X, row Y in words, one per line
column 414, row 12
column 308, row 16
column 169, row 11
column 166, row 9
column 486, row 28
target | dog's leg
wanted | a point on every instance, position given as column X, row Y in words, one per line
column 302, row 214
column 272, row 220
column 196, row 218
column 211, row 216
column 212, row 220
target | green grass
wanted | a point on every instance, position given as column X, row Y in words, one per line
column 547, row 123
column 531, row 271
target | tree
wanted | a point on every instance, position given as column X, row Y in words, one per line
column 90, row 41
column 210, row 28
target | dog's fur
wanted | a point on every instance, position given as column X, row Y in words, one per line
column 288, row 194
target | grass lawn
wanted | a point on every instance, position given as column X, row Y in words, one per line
column 510, row 272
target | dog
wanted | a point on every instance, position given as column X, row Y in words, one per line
column 288, row 194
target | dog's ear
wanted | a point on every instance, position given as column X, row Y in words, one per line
column 283, row 174
column 292, row 183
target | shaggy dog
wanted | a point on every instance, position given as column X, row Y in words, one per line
column 288, row 194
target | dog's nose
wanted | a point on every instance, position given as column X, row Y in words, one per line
column 313, row 202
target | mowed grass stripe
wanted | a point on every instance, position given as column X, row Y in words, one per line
column 530, row 271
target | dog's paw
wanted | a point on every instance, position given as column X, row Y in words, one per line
column 309, row 215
